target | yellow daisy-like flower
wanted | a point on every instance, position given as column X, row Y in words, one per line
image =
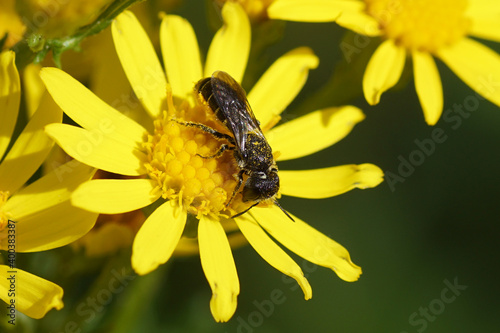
column 39, row 216
column 10, row 23
column 167, row 162
column 419, row 29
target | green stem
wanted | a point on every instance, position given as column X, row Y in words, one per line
column 34, row 48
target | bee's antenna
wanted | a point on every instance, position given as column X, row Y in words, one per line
column 284, row 211
column 246, row 210
column 275, row 202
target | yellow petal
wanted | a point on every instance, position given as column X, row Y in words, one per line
column 484, row 19
column 328, row 182
column 156, row 240
column 50, row 190
column 281, row 83
column 115, row 196
column 230, row 47
column 181, row 55
column 95, row 149
column 107, row 78
column 477, row 65
column 383, row 70
column 45, row 218
column 307, row 242
column 428, row 86
column 31, row 147
column 311, row 10
column 34, row 296
column 10, row 97
column 89, row 111
column 12, row 26
column 272, row 253
column 488, row 28
column 53, row 227
column 313, row 132
column 33, row 87
column 218, row 264
column 139, row 60
column 189, row 246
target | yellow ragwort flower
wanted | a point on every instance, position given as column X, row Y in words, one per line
column 56, row 18
column 420, row 29
column 166, row 161
column 10, row 24
column 111, row 232
column 255, row 9
column 39, row 216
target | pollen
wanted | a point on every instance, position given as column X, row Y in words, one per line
column 422, row 25
column 181, row 160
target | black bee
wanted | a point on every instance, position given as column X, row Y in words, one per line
column 227, row 99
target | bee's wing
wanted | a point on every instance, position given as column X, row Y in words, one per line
column 234, row 108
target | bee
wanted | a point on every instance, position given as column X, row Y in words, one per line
column 253, row 154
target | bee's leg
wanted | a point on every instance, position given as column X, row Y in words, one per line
column 207, row 129
column 213, row 132
column 237, row 188
column 221, row 150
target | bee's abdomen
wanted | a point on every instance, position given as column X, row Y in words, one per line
column 205, row 91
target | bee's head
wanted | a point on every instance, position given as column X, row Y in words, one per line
column 261, row 185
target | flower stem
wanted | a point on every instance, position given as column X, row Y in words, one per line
column 35, row 47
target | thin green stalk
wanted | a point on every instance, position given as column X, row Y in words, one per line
column 35, row 47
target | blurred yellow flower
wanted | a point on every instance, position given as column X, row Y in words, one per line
column 39, row 216
column 255, row 9
column 419, row 29
column 56, row 18
column 166, row 162
column 10, row 23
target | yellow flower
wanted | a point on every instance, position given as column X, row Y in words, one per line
column 39, row 216
column 111, row 232
column 166, row 161
column 10, row 23
column 419, row 29
column 255, row 9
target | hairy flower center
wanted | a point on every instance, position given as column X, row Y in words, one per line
column 424, row 25
column 179, row 160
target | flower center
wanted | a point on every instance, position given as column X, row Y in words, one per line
column 179, row 160
column 424, row 25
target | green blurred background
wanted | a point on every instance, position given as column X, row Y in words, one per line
column 412, row 239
